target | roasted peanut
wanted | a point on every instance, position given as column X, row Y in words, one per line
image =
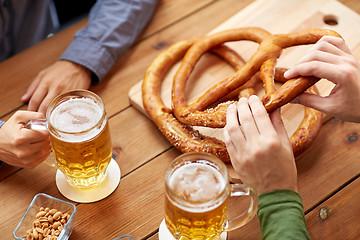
column 53, row 211
column 47, row 231
column 48, row 224
column 45, row 225
column 56, row 225
column 57, row 233
column 40, row 214
column 35, row 233
column 43, row 219
column 50, row 219
column 57, row 215
column 37, row 223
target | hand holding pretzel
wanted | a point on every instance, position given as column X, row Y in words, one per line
column 259, row 146
column 261, row 65
column 331, row 58
column 263, row 60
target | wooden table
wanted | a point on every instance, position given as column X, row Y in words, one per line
column 328, row 171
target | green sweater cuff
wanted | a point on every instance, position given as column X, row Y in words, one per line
column 281, row 215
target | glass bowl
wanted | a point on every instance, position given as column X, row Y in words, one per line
column 44, row 200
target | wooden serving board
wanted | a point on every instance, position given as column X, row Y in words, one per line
column 275, row 16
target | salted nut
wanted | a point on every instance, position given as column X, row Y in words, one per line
column 48, row 224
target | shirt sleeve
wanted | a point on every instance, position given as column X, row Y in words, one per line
column 1, row 123
column 281, row 216
column 112, row 28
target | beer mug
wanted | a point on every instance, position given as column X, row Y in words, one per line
column 79, row 136
column 197, row 196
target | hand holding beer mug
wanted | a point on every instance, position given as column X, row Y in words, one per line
column 80, row 139
column 197, row 196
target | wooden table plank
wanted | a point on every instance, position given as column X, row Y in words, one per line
column 18, row 190
column 353, row 4
column 338, row 217
column 136, row 207
column 169, row 12
column 135, row 139
column 330, row 162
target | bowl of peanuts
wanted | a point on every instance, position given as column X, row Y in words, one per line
column 47, row 218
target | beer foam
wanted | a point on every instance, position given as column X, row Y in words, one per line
column 197, row 182
column 76, row 115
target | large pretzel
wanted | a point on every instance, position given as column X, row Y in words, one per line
column 263, row 60
column 183, row 136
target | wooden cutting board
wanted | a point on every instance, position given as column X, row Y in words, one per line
column 275, row 16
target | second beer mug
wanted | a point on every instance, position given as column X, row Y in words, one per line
column 80, row 137
column 197, row 196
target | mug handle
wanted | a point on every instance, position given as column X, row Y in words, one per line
column 41, row 124
column 240, row 190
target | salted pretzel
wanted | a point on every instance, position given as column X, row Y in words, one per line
column 263, row 60
column 178, row 130
column 183, row 137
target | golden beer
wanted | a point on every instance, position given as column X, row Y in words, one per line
column 80, row 137
column 197, row 196
column 207, row 192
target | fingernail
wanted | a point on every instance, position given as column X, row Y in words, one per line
column 254, row 96
column 231, row 106
column 23, row 98
column 286, row 73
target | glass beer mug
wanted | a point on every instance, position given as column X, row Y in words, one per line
column 197, row 196
column 79, row 136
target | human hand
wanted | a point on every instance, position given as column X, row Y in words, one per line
column 259, row 147
column 58, row 78
column 22, row 147
column 330, row 58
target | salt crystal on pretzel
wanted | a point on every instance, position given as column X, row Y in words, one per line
column 179, row 131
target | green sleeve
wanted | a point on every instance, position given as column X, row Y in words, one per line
column 281, row 216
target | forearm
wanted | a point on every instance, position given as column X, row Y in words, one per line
column 112, row 28
column 281, row 216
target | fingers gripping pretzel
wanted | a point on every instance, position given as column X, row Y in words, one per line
column 263, row 60
column 178, row 130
